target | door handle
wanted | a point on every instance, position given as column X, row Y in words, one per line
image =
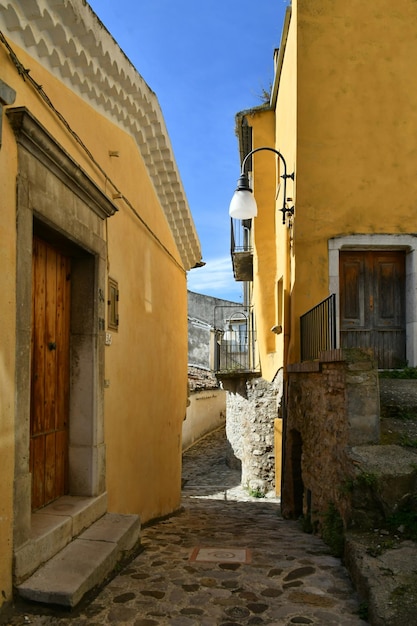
column 371, row 303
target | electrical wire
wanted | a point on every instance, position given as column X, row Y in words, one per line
column 25, row 74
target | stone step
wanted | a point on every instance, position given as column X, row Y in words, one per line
column 398, row 397
column 385, row 482
column 386, row 578
column 53, row 527
column 84, row 563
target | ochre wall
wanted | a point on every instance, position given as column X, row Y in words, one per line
column 357, row 120
column 146, row 366
column 286, row 121
column 345, row 120
column 273, row 255
column 146, row 363
column 264, row 262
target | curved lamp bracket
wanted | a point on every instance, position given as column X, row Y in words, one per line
column 243, row 204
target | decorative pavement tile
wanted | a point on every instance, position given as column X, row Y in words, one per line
column 220, row 555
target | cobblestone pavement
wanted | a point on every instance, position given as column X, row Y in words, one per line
column 227, row 559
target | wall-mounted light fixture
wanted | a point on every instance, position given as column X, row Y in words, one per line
column 243, row 204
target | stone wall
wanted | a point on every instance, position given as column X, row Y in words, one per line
column 333, row 404
column 251, row 409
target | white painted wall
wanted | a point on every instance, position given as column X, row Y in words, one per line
column 206, row 412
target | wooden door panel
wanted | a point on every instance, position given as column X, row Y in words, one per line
column 38, row 339
column 356, row 338
column 50, row 492
column 372, row 304
column 390, row 346
column 50, row 374
column 62, row 341
column 37, row 450
column 50, row 341
column 353, row 294
column 389, row 301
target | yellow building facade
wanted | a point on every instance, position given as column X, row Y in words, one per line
column 95, row 242
column 343, row 115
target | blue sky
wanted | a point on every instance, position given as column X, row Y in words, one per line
column 205, row 61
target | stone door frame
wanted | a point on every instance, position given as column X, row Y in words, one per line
column 58, row 200
column 408, row 243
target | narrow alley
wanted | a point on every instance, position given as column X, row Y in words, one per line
column 226, row 559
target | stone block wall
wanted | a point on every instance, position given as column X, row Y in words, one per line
column 251, row 409
column 333, row 404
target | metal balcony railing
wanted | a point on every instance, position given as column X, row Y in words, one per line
column 235, row 353
column 241, row 249
column 318, row 329
column 235, row 346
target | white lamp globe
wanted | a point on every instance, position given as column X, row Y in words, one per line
column 243, row 205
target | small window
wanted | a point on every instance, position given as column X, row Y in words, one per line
column 113, row 305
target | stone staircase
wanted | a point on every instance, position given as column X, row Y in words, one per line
column 74, row 546
column 386, row 474
column 385, row 484
column 381, row 545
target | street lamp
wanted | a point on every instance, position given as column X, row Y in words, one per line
column 243, row 204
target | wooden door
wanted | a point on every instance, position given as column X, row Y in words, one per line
column 49, row 374
column 372, row 304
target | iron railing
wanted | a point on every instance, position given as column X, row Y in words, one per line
column 318, row 329
column 241, row 250
column 235, row 345
column 236, row 353
column 240, row 239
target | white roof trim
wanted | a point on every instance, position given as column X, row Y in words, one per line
column 67, row 37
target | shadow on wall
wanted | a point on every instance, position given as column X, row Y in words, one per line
column 295, row 450
column 206, row 412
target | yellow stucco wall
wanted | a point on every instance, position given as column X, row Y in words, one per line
column 345, row 119
column 286, row 117
column 99, row 134
column 356, row 120
column 272, row 283
column 146, row 364
column 264, row 262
